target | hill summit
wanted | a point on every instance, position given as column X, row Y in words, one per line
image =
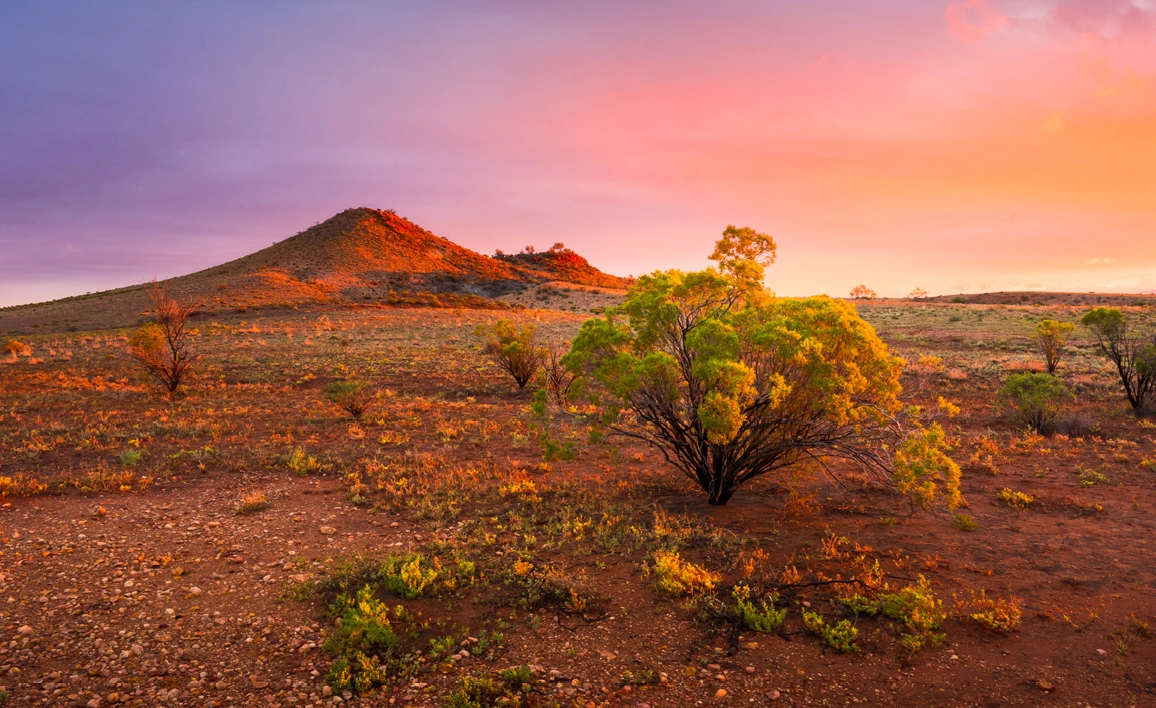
column 360, row 255
column 367, row 254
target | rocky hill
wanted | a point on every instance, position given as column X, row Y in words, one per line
column 360, row 256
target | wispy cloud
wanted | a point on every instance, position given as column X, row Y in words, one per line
column 1102, row 261
column 1106, row 18
column 972, row 20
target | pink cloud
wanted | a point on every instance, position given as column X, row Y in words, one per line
column 972, row 20
column 1106, row 18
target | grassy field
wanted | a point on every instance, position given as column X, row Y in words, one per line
column 208, row 549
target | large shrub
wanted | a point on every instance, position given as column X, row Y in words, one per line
column 730, row 383
column 1134, row 355
column 1035, row 399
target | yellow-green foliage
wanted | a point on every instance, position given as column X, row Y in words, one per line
column 712, row 369
column 507, row 692
column 255, row 501
column 998, row 615
column 1016, row 500
column 1090, row 478
column 514, row 349
column 761, row 617
column 409, row 575
column 524, row 489
column 678, row 577
column 1149, row 463
column 920, row 612
column 1050, row 335
column 924, row 472
column 300, row 463
column 365, row 644
column 840, row 637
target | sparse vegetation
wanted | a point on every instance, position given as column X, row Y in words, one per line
column 441, row 492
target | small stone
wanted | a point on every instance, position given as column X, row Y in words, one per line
column 326, row 691
column 806, row 604
column 721, row 693
column 1101, row 652
column 689, row 671
column 1045, row 685
column 714, row 667
column 94, row 703
column 194, row 591
column 752, row 645
column 608, row 655
column 750, row 669
column 774, row 695
column 328, row 530
column 955, row 657
column 25, row 630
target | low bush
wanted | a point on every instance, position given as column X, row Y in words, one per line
column 998, row 615
column 365, row 644
column 678, row 577
column 760, row 615
column 353, row 397
column 963, row 522
column 508, row 691
column 409, row 575
column 1035, row 400
column 514, row 349
column 255, row 501
column 300, row 463
column 919, row 611
column 840, row 637
column 1016, row 500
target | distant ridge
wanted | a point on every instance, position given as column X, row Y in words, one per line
column 360, row 255
column 1032, row 297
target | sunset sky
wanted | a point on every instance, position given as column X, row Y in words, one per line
column 958, row 146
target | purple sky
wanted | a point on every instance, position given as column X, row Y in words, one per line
column 956, row 145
